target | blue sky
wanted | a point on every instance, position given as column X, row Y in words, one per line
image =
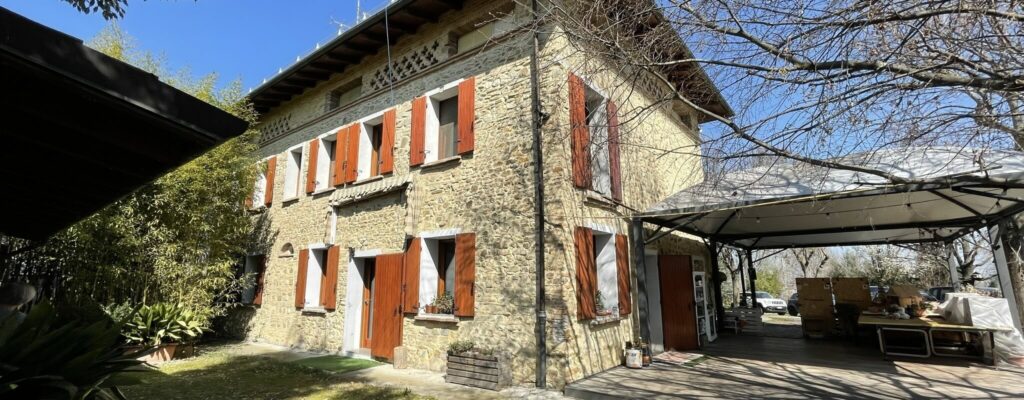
column 247, row 39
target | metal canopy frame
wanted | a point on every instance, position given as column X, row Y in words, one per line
column 955, row 192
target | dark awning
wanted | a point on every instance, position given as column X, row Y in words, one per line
column 801, row 205
column 81, row 129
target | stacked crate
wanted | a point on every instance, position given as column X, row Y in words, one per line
column 852, row 291
column 817, row 316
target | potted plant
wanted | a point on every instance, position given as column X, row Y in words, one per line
column 445, row 303
column 599, row 305
column 475, row 366
column 163, row 326
column 442, row 304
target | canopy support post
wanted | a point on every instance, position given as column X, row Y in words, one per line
column 753, row 277
column 717, row 285
column 954, row 275
column 995, row 234
column 743, row 283
column 636, row 227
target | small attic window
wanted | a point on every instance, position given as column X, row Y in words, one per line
column 345, row 94
column 474, row 37
column 286, row 251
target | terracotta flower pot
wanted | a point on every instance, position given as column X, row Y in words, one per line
column 164, row 352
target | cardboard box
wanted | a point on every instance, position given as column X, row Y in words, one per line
column 812, row 309
column 904, row 295
column 814, row 289
column 852, row 291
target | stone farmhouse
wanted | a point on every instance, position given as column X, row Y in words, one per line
column 397, row 210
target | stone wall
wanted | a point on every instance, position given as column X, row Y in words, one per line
column 489, row 192
column 659, row 156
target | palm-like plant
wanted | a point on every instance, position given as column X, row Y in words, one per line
column 43, row 357
column 164, row 322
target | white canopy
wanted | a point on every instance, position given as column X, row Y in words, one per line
column 953, row 192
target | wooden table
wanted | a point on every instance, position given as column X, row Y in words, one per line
column 926, row 326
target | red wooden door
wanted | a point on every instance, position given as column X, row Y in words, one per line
column 387, row 311
column 677, row 303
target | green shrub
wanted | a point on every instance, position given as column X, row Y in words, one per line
column 461, row 346
column 164, row 322
column 46, row 358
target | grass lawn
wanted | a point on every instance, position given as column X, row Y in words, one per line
column 221, row 375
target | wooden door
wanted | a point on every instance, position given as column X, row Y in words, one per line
column 366, row 330
column 677, row 303
column 387, row 311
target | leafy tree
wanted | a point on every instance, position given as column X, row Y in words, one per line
column 176, row 239
column 770, row 280
column 109, row 8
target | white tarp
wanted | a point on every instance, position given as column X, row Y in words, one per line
column 989, row 312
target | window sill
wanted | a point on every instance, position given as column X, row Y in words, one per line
column 443, row 161
column 290, row 199
column 258, row 209
column 446, row 318
column 367, row 180
column 314, row 310
column 322, row 191
column 600, row 200
column 606, row 319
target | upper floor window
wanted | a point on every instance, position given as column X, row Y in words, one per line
column 372, row 147
column 325, row 165
column 345, row 94
column 595, row 139
column 474, row 37
column 292, row 175
column 443, row 123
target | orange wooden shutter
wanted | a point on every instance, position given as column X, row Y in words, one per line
column 465, row 274
column 260, row 280
column 387, row 143
column 613, row 150
column 411, row 278
column 268, row 195
column 419, row 126
column 329, row 287
column 580, row 133
column 300, row 280
column 467, row 115
column 314, row 150
column 586, row 273
column 622, row 265
column 340, row 156
column 352, row 158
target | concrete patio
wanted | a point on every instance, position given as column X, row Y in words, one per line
column 743, row 367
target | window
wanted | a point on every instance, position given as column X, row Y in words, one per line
column 444, row 266
column 443, row 123
column 314, row 277
column 292, row 173
column 345, row 94
column 474, row 37
column 597, row 121
column 371, row 143
column 325, row 162
column 595, row 140
column 606, row 300
column 259, row 191
column 316, row 280
column 254, row 266
column 602, row 273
